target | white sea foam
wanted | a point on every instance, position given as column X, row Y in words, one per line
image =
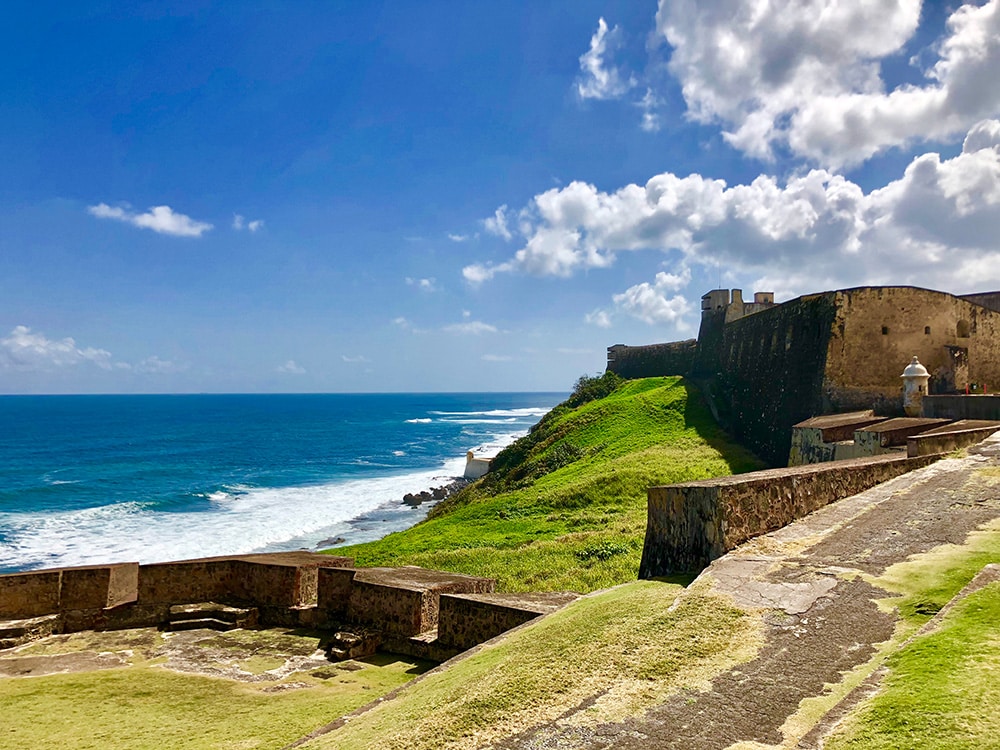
column 516, row 413
column 241, row 519
column 419, row 421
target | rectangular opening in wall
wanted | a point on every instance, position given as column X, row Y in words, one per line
column 927, row 330
column 885, row 330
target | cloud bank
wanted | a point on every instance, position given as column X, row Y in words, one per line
column 934, row 226
column 806, row 75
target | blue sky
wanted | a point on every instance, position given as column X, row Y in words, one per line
column 440, row 196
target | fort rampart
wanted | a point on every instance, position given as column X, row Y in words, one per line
column 768, row 367
column 693, row 523
column 292, row 589
column 654, row 360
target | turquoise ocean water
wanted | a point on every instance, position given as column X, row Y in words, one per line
column 92, row 479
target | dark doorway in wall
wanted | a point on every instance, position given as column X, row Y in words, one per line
column 954, row 375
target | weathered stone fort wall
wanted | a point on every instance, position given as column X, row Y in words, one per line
column 693, row 523
column 771, row 366
column 652, row 361
column 770, row 372
column 878, row 329
column 296, row 589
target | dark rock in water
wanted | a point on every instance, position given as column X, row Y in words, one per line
column 436, row 493
column 331, row 542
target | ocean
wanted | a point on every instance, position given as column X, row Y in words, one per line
column 97, row 479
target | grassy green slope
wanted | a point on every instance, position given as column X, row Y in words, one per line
column 565, row 507
column 618, row 652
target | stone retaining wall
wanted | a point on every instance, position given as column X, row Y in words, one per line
column 467, row 620
column 288, row 589
column 693, row 523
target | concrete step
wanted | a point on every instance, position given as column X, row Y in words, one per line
column 209, row 623
column 213, row 612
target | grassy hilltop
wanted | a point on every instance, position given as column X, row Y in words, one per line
column 565, row 507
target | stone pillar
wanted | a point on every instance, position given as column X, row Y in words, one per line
column 915, row 378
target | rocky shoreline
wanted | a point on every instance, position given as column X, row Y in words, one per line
column 435, row 493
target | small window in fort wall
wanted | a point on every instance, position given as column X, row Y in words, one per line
column 788, row 340
column 885, row 330
column 963, row 329
column 927, row 330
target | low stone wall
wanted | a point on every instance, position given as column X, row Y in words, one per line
column 405, row 601
column 693, row 523
column 288, row 589
column 24, row 595
column 466, row 620
column 402, row 605
column 397, row 611
column 952, row 437
column 961, row 407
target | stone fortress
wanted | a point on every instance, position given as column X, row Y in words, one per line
column 766, row 367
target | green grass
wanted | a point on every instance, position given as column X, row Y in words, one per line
column 144, row 704
column 943, row 689
column 607, row 656
column 565, row 507
column 926, row 583
column 149, row 707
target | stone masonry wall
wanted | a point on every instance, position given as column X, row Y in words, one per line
column 288, row 589
column 24, row 595
column 466, row 621
column 654, row 360
column 693, row 523
column 770, row 373
column 878, row 330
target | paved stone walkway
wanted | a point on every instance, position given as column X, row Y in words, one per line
column 819, row 614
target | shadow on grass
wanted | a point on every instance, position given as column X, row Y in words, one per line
column 680, row 579
column 698, row 416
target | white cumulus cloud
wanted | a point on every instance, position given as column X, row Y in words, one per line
column 23, row 349
column 240, row 223
column 424, row 285
column 161, row 219
column 356, row 359
column 654, row 303
column 601, row 79
column 599, row 318
column 933, row 226
column 806, row 74
column 497, row 224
